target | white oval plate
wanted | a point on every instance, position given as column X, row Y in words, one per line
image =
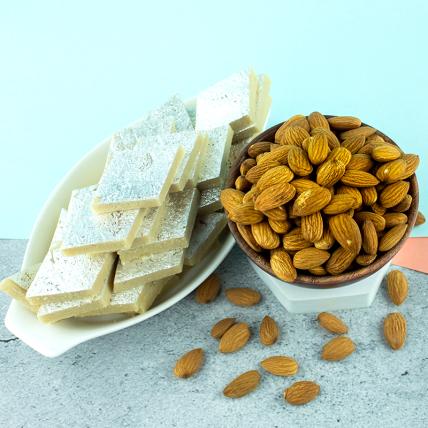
column 55, row 339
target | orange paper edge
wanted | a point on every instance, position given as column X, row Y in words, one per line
column 413, row 255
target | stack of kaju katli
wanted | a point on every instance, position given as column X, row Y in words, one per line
column 121, row 241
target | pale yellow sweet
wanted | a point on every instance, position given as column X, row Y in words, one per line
column 194, row 174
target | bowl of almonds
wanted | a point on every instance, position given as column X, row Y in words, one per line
column 321, row 200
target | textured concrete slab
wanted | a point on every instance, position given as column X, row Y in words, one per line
column 125, row 379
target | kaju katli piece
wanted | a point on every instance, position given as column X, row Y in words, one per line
column 86, row 232
column 139, row 177
column 175, row 229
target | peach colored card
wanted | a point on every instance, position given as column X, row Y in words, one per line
column 413, row 255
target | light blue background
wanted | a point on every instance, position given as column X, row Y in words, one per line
column 73, row 73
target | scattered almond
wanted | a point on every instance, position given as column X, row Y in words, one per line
column 395, row 330
column 420, row 219
column 332, row 323
column 269, row 331
column 234, row 338
column 190, row 363
column 208, row 290
column 280, row 365
column 243, row 384
column 338, row 348
column 221, row 327
column 242, row 296
column 397, row 286
column 301, row 392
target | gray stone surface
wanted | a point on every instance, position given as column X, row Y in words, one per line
column 125, row 379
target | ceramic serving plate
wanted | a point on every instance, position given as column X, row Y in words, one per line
column 55, row 339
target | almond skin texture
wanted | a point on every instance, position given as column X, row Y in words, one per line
column 208, row 290
column 394, row 193
column 242, row 184
column 279, row 226
column 301, row 392
column 248, row 237
column 330, row 172
column 412, row 162
column 333, row 141
column 392, row 219
column 258, row 148
column 344, row 123
column 361, row 162
column 246, row 214
column 294, row 135
column 318, row 149
column 352, row 191
column 395, row 330
column 279, row 213
column 242, row 385
column 310, row 258
column 390, row 172
column 332, row 323
column 339, row 261
column 385, row 153
column 278, row 154
column 294, row 241
column 397, row 287
column 354, row 144
column 326, row 242
column 235, row 338
column 312, row 227
column 311, row 201
column 370, row 238
column 339, row 204
column 318, row 120
column 392, row 237
column 404, row 205
column 369, row 195
column 265, row 236
column 342, row 154
column 189, row 363
column 357, row 178
column 366, row 131
column 366, row 259
column 303, row 184
column 346, row 231
column 376, row 219
column 280, row 365
column 246, row 165
column 282, row 266
column 221, row 327
column 296, row 120
column 242, row 296
column 254, row 173
column 338, row 349
column 231, row 198
column 298, row 162
column 275, row 196
column 269, row 331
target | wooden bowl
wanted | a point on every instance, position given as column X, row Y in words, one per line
column 329, row 280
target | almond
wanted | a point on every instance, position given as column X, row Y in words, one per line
column 356, row 178
column 221, row 327
column 385, row 153
column 282, row 266
column 391, row 172
column 318, row 120
column 361, row 162
column 208, row 290
column 394, row 193
column 365, row 131
column 366, row 259
column 251, row 195
column 355, row 143
column 309, row 258
column 339, row 204
column 296, row 120
column 265, row 236
column 258, row 148
column 339, row 261
column 342, row 154
column 404, row 205
column 248, row 237
column 338, row 349
column 189, row 363
column 333, row 141
column 330, row 172
column 326, row 242
column 243, row 296
column 378, row 209
column 235, row 338
column 311, row 201
column 299, row 162
column 278, row 154
column 279, row 226
column 344, row 123
column 294, row 135
column 242, row 385
column 301, row 392
column 231, row 198
column 312, row 227
column 332, row 323
column 254, row 173
column 376, row 219
column 269, row 331
column 346, row 232
column 278, row 213
column 395, row 330
column 354, row 192
column 392, row 237
column 318, row 271
column 280, row 365
column 318, row 149
column 274, row 176
column 242, row 184
column 275, row 196
column 369, row 195
column 397, row 286
column 420, row 219
column 294, row 241
column 370, row 239
column 246, row 214
column 412, row 163
column 303, row 184
column 246, row 165
column 392, row 219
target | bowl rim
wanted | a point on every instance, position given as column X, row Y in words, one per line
column 327, row 281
